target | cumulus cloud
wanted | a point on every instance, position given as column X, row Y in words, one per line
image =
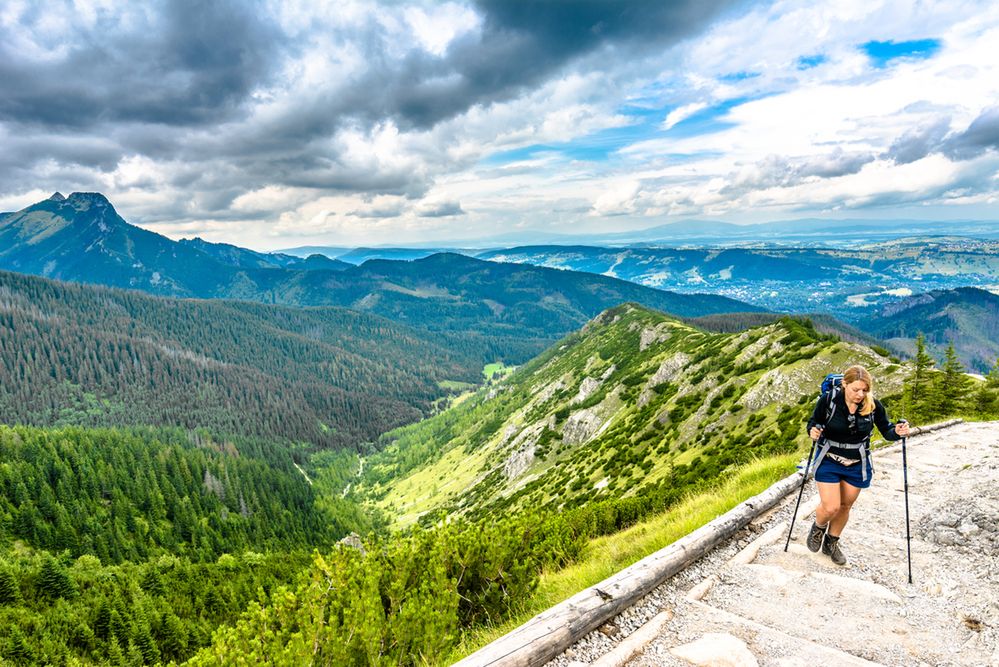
column 440, row 209
column 232, row 98
column 777, row 171
column 918, row 143
column 981, row 136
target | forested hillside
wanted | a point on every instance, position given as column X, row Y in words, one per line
column 135, row 494
column 133, row 546
column 967, row 318
column 74, row 354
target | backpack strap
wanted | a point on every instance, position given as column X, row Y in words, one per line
column 831, row 402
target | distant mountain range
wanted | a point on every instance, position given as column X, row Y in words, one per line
column 804, row 231
column 485, row 309
column 514, row 304
column 849, row 283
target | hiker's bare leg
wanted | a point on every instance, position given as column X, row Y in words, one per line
column 847, row 496
column 829, row 502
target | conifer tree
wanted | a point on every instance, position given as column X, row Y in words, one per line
column 115, row 655
column 993, row 377
column 102, row 622
column 18, row 651
column 173, row 640
column 986, row 397
column 917, row 394
column 954, row 384
column 144, row 641
column 10, row 592
column 53, row 581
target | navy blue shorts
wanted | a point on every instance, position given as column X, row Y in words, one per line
column 832, row 472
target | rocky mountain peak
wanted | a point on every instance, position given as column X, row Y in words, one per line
column 85, row 200
column 57, row 196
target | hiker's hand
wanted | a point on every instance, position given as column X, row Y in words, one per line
column 902, row 429
column 816, row 433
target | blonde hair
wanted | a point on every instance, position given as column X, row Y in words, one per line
column 854, row 373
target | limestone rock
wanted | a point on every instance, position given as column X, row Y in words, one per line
column 353, row 541
column 586, row 389
column 963, row 523
column 755, row 349
column 519, row 461
column 545, row 394
column 580, row 427
column 772, row 387
column 669, row 369
column 716, row 649
column 650, row 337
column 645, row 397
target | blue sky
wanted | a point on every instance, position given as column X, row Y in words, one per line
column 275, row 124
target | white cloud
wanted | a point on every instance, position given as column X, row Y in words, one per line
column 436, row 26
column 682, row 113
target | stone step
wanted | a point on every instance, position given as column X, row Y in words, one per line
column 704, row 635
column 863, row 618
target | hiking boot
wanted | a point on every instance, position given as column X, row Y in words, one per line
column 831, row 548
column 815, row 535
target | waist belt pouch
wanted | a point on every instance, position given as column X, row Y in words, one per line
column 842, row 460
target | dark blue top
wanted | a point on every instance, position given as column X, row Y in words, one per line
column 855, row 428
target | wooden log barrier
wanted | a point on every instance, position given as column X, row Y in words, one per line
column 552, row 631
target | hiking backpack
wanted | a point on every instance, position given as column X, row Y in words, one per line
column 831, row 386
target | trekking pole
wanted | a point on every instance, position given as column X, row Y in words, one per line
column 905, row 486
column 804, row 478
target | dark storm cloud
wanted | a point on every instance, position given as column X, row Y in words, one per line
column 181, row 63
column 175, row 81
column 522, row 44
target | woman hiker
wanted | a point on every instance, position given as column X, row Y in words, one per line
column 842, row 467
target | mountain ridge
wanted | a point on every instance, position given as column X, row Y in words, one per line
column 611, row 411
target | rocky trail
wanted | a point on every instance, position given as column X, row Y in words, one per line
column 766, row 606
column 750, row 603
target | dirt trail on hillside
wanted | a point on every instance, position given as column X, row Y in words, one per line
column 751, row 603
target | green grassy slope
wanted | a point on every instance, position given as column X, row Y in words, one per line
column 636, row 401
